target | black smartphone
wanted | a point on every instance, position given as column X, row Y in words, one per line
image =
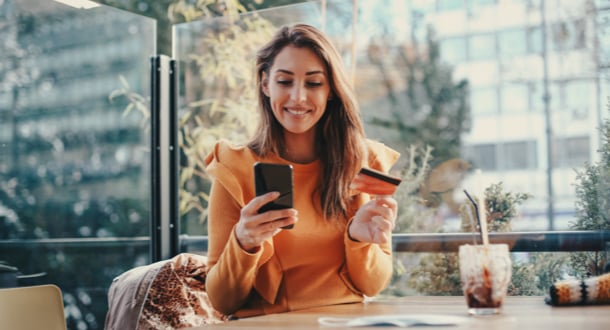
column 274, row 177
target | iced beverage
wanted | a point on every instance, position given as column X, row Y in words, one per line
column 485, row 272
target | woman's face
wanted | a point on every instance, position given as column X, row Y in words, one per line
column 298, row 89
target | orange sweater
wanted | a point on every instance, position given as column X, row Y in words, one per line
column 313, row 264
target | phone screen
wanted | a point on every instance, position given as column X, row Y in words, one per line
column 274, row 177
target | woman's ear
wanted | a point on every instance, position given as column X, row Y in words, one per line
column 265, row 83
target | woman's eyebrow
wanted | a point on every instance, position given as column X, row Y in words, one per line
column 308, row 73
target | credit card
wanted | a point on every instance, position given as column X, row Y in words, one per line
column 374, row 182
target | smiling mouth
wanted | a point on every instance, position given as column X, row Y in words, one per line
column 297, row 112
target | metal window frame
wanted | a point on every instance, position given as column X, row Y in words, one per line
column 165, row 220
column 539, row 241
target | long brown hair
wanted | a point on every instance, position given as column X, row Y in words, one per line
column 340, row 134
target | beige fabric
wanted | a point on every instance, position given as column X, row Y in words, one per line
column 169, row 294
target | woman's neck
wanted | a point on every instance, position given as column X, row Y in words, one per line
column 299, row 148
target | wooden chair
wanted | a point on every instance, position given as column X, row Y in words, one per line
column 32, row 307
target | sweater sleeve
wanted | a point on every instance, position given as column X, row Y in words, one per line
column 369, row 266
column 232, row 270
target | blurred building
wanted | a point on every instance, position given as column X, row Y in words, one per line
column 536, row 109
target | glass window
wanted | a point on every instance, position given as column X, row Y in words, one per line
column 532, row 4
column 512, row 43
column 75, row 150
column 482, row 156
column 514, row 98
column 484, row 100
column 567, row 35
column 482, row 47
column 445, row 5
column 519, row 155
column 453, row 50
column 578, row 95
column 571, row 152
column 603, row 26
column 481, row 3
column 536, row 93
column 424, row 7
column 535, row 40
column 74, row 166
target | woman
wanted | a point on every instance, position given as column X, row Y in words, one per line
column 340, row 247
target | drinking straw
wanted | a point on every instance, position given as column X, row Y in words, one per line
column 476, row 211
column 481, row 210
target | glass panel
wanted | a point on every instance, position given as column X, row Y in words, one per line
column 444, row 5
column 384, row 67
column 514, row 98
column 417, row 87
column 218, row 101
column 74, row 160
column 568, row 34
column 453, row 50
column 484, row 100
column 481, row 3
column 571, row 151
column 535, row 39
column 481, row 47
column 518, row 155
column 579, row 95
column 512, row 42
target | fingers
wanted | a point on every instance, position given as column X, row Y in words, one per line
column 269, row 221
column 383, row 224
column 381, row 230
column 385, row 207
column 254, row 228
column 375, row 221
column 258, row 202
column 388, row 202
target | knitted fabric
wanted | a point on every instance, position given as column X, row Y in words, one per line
column 590, row 291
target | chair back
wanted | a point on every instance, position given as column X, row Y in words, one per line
column 32, row 307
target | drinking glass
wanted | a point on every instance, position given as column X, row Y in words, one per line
column 485, row 272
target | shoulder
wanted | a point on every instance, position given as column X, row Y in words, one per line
column 380, row 156
column 229, row 161
column 226, row 152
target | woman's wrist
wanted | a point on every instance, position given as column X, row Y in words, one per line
column 349, row 226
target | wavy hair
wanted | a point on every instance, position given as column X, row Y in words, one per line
column 340, row 138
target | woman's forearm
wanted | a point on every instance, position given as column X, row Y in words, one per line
column 369, row 265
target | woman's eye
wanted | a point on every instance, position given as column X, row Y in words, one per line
column 284, row 82
column 314, row 84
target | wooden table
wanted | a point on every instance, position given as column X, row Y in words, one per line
column 520, row 313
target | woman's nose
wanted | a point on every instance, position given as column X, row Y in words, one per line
column 299, row 94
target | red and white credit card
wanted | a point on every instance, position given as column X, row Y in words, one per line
column 375, row 182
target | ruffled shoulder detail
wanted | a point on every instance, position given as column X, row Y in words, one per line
column 232, row 166
column 380, row 156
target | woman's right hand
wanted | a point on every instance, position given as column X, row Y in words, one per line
column 254, row 228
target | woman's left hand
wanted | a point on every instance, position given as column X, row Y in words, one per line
column 374, row 221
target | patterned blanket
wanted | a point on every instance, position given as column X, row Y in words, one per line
column 168, row 294
column 591, row 291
